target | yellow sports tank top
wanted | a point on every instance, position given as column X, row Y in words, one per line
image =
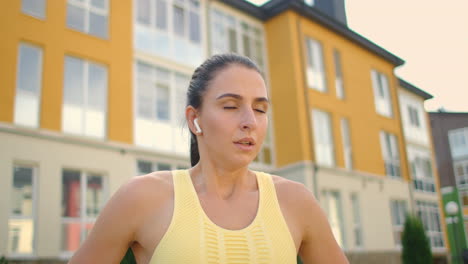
column 193, row 238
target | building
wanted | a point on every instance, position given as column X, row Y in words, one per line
column 91, row 94
column 450, row 136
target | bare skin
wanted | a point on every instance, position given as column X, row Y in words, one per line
column 140, row 212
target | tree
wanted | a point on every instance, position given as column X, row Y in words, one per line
column 416, row 247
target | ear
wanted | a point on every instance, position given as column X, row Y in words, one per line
column 190, row 114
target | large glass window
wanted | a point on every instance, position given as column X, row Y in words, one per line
column 421, row 170
column 414, row 116
column 339, row 83
column 458, row 139
column 84, row 98
column 333, row 208
column 315, row 71
column 232, row 34
column 383, row 101
column 399, row 211
column 391, row 154
column 347, row 149
column 428, row 212
column 36, row 8
column 28, row 85
column 357, row 225
column 89, row 16
column 83, row 196
column 170, row 29
column 21, row 227
column 323, row 138
column 160, row 103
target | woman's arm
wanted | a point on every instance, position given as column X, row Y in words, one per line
column 115, row 228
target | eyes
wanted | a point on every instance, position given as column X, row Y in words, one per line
column 260, row 110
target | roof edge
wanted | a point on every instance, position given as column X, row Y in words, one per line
column 409, row 87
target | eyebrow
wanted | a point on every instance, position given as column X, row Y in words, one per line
column 239, row 97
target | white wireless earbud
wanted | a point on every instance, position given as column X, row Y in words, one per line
column 195, row 121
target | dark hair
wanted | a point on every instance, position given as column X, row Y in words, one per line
column 200, row 81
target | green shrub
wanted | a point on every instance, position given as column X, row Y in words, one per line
column 416, row 247
column 129, row 258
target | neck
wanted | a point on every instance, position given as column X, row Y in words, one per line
column 221, row 182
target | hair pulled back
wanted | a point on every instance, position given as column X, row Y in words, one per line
column 200, row 81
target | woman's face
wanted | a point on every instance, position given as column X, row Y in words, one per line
column 233, row 117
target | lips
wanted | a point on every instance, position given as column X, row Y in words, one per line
column 245, row 144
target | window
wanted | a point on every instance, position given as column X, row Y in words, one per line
column 89, row 16
column 145, row 167
column 170, row 29
column 334, row 211
column 347, row 150
column 160, row 100
column 461, row 174
column 83, row 196
column 390, row 154
column 265, row 156
column 231, row 34
column 21, row 227
column 413, row 116
column 429, row 214
column 338, row 75
column 464, row 197
column 323, row 138
column 383, row 102
column 84, row 98
column 357, row 226
column 35, row 8
column 398, row 210
column 315, row 72
column 458, row 139
column 28, row 85
column 421, row 170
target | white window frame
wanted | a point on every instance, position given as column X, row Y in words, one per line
column 339, row 82
column 458, row 140
column 220, row 40
column 338, row 225
column 382, row 95
column 23, row 97
column 84, row 219
column 427, row 211
column 347, row 144
column 357, row 222
column 85, row 107
column 171, row 138
column 34, row 13
column 391, row 154
column 461, row 173
column 414, row 116
column 34, row 211
column 420, row 160
column 322, row 125
column 463, row 193
column 88, row 8
column 398, row 211
column 315, row 65
column 193, row 52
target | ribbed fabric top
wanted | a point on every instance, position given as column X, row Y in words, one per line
column 193, row 238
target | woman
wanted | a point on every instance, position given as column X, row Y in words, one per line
column 218, row 211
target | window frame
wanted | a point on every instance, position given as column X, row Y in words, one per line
column 318, row 116
column 28, row 94
column 33, row 13
column 326, row 197
column 429, row 208
column 83, row 219
column 461, row 179
column 315, row 47
column 347, row 143
column 88, row 8
column 382, row 93
column 339, row 79
column 392, row 162
column 357, row 220
column 155, row 165
column 401, row 207
column 85, row 64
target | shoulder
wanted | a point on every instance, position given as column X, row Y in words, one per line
column 289, row 191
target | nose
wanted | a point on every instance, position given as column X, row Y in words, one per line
column 249, row 121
